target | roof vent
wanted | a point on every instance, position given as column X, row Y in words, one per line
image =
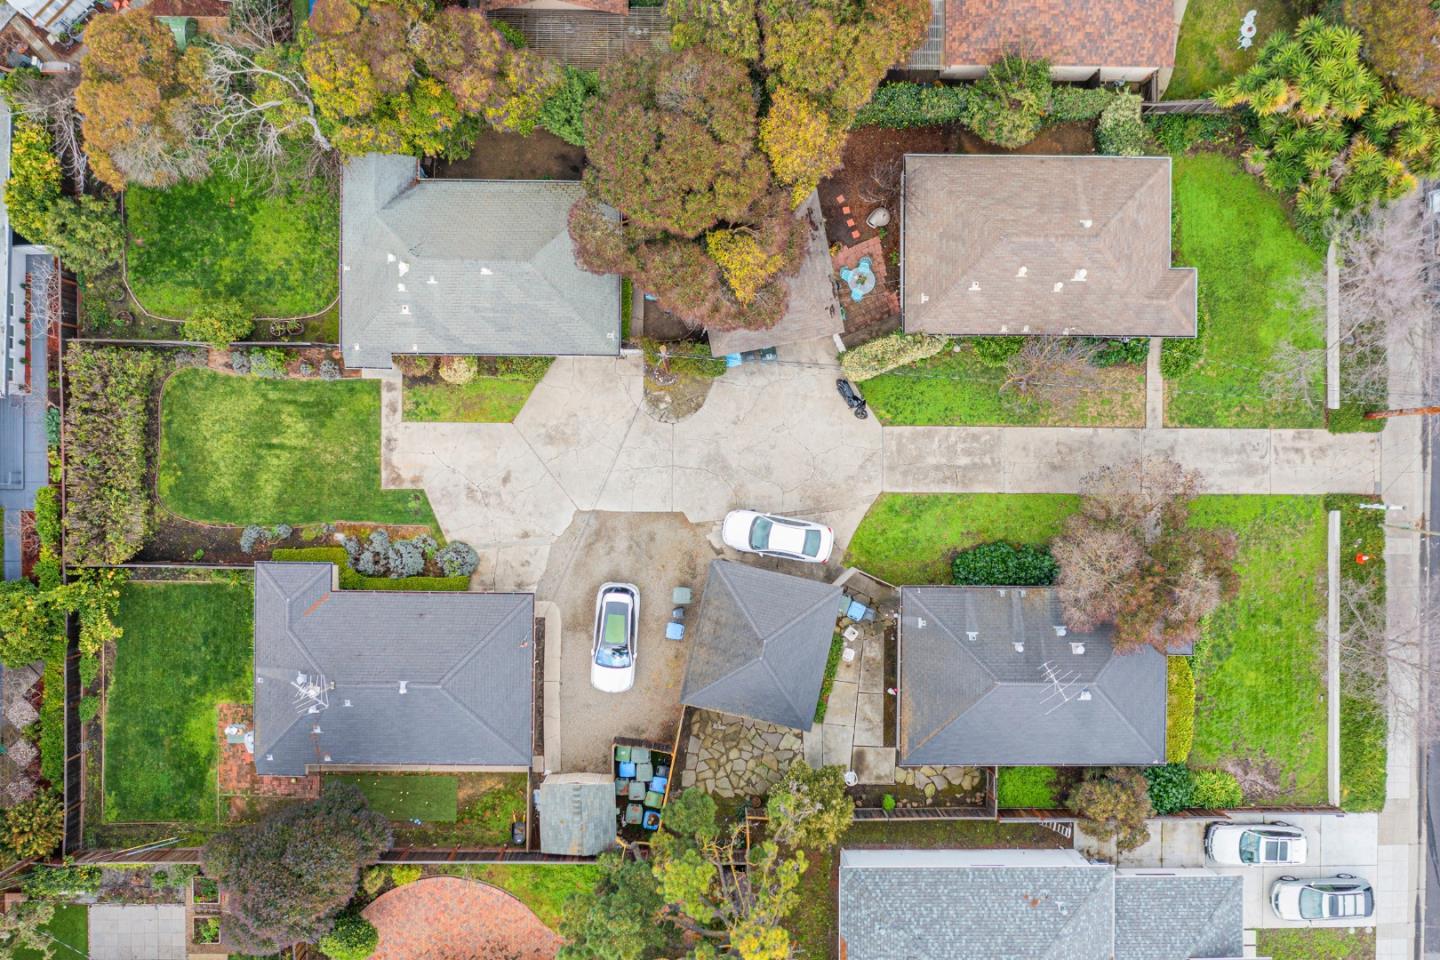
column 404, row 268
column 972, row 635
column 1060, row 630
column 1076, row 647
column 1020, row 274
column 316, row 729
column 974, row 286
column 921, row 622
column 1087, row 224
column 405, row 309
column 1019, row 646
column 389, row 258
column 345, row 267
column 270, row 756
column 1001, row 591
column 400, row 287
column 1021, row 591
column 924, row 298
column 1079, row 276
column 1058, row 287
column 432, row 279
column 402, row 685
column 414, row 348
column 327, row 758
column 348, row 703
column 1084, row 695
column 486, row 272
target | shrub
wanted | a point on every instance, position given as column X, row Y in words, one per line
column 1004, row 565
column 912, row 105
column 269, row 363
column 89, row 670
column 1073, row 104
column 1171, row 787
column 523, row 368
column 404, row 873
column 89, row 708
column 1120, row 131
column 1178, row 355
column 1178, row 132
column 1216, row 790
column 886, row 353
column 379, row 556
column 305, row 369
column 219, row 323
column 52, row 427
column 1179, row 709
column 563, row 112
column 809, row 807
column 329, row 370
column 373, row 880
column 47, row 516
column 1007, row 106
column 458, row 370
column 240, row 361
column 35, row 827
column 47, row 569
column 888, row 802
column 1114, row 353
column 1349, row 417
column 1116, row 803
column 35, row 180
column 995, row 351
column 61, row 883
column 745, row 264
column 353, row 937
column 457, row 559
column 1025, row 787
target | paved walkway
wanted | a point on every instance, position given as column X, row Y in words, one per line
column 135, row 932
column 446, row 918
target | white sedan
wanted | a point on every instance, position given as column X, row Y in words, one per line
column 612, row 656
column 772, row 536
column 1255, row 844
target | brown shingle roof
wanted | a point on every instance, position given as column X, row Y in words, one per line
column 1088, row 33
column 604, row 6
column 1041, row 245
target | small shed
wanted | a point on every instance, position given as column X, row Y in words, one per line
column 577, row 814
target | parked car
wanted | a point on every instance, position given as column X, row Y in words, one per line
column 1341, row 897
column 772, row 536
column 1254, row 844
column 612, row 656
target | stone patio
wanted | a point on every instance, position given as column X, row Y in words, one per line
column 126, row 932
column 737, row 757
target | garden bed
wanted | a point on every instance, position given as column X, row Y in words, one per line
column 496, row 394
column 498, row 155
column 543, row 888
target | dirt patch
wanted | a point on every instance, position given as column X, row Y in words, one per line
column 509, row 156
column 661, row 324
column 671, row 403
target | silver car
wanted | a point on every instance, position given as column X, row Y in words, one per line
column 1341, row 897
column 1254, row 844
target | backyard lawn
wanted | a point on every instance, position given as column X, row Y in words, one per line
column 1259, row 668
column 956, row 389
column 406, row 796
column 186, row 647
column 244, row 450
column 1251, row 262
column 1208, row 51
column 543, row 888
column 909, row 538
column 481, row 812
column 221, row 238
column 1320, row 943
column 71, row 929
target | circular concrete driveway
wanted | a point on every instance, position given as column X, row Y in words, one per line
column 446, row 918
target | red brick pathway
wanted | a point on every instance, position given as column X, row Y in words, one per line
column 446, row 918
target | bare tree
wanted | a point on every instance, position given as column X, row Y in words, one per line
column 1052, row 370
column 1389, row 662
column 883, row 187
column 50, row 99
column 1295, row 375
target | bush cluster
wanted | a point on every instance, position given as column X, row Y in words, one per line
column 457, row 559
column 1077, row 104
column 886, row 353
column 1172, row 787
column 1178, row 355
column 523, row 368
column 1009, row 104
column 1114, row 353
column 47, row 516
column 379, row 556
column 403, row 873
column 912, row 105
column 1177, row 133
column 1120, row 131
column 61, row 883
column 1216, row 790
column 255, row 534
column 218, row 323
column 352, row 938
column 34, row 827
column 173, row 878
column 458, row 370
column 1179, row 709
column 1004, row 565
column 995, row 351
column 266, row 362
column 563, row 112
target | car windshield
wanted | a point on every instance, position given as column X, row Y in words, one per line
column 614, row 650
column 812, row 543
column 1249, row 847
column 760, row 534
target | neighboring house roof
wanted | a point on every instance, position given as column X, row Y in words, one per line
column 1068, row 33
column 1203, row 916
column 405, row 679
column 1036, row 904
column 812, row 311
column 968, row 696
column 759, row 644
column 942, row 904
column 53, row 16
column 1041, row 245
column 603, row 6
column 577, row 814
column 464, row 266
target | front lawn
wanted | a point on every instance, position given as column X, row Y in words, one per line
column 1208, row 51
column 244, row 450
column 278, row 254
column 70, row 928
column 1319, row 943
column 406, row 796
column 543, row 888
column 1259, row 667
column 954, row 388
column 909, row 538
column 496, row 395
column 1251, row 262
column 186, row 647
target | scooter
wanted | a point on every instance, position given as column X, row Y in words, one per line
column 852, row 398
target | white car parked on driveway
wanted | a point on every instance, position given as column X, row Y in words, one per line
column 612, row 655
column 1341, row 897
column 1254, row 844
column 772, row 536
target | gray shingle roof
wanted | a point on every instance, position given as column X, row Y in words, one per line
column 759, row 644
column 1203, row 916
column 912, row 905
column 987, row 239
column 577, row 814
column 465, row 661
column 486, row 267
column 968, row 697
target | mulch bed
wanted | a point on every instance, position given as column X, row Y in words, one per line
column 177, row 540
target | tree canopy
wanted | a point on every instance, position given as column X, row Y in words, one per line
column 1402, row 42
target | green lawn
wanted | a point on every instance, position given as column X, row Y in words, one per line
column 244, row 450
column 407, row 796
column 1208, row 52
column 1250, row 262
column 956, row 389
column 482, row 400
column 1259, row 667
column 488, row 803
column 220, row 238
column 70, row 926
column 1026, row 787
column 186, row 647
column 542, row 888
column 1319, row 943
column 909, row 538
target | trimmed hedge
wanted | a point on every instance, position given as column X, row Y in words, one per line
column 1004, row 565
column 832, row 665
column 1179, row 709
column 1077, row 104
column 351, row 580
column 884, row 354
column 47, row 516
column 900, row 105
column 1172, row 787
column 996, row 351
column 1114, row 353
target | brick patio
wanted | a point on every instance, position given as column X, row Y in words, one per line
column 879, row 304
column 446, row 918
column 238, row 779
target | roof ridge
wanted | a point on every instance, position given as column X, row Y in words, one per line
column 481, row 644
column 1115, row 707
column 1074, row 916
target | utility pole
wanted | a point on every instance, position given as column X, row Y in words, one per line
column 1402, row 412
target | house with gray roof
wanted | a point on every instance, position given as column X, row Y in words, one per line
column 388, row 679
column 441, row 266
column 1031, row 905
column 1074, row 245
column 759, row 643
column 991, row 676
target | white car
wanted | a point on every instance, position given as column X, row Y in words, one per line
column 612, row 656
column 1341, row 897
column 772, row 536
column 1254, row 844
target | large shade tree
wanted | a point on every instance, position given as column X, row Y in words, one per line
column 1402, row 42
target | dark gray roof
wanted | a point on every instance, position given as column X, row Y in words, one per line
column 464, row 266
column 577, row 814
column 967, row 696
column 1204, row 916
column 464, row 660
column 759, row 645
column 912, row 905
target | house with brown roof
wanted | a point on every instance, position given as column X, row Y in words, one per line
column 1020, row 245
column 1084, row 40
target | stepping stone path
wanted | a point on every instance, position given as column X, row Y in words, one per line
column 932, row 781
column 735, row 757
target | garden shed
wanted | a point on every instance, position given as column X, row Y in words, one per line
column 577, row 814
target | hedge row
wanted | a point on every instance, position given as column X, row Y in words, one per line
column 900, row 105
column 888, row 352
column 351, row 580
column 1179, row 710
